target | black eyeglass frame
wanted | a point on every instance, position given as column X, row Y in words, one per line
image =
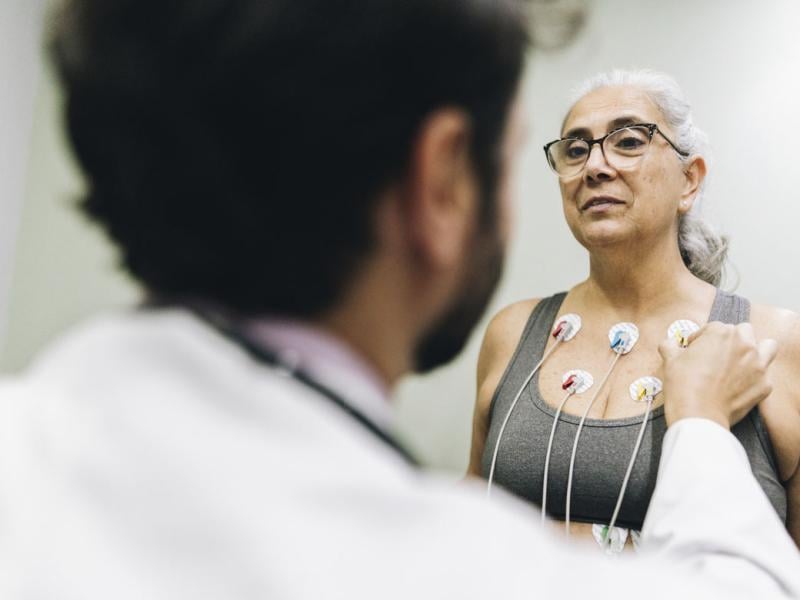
column 652, row 128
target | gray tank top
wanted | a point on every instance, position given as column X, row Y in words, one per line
column 605, row 446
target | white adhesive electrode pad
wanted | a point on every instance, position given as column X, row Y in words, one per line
column 680, row 330
column 645, row 389
column 581, row 381
column 567, row 327
column 623, row 337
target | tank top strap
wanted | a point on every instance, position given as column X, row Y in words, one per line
column 730, row 308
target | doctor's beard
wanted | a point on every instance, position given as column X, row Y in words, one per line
column 448, row 336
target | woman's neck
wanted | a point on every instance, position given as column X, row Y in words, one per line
column 639, row 281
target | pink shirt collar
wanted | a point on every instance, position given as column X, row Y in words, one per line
column 330, row 361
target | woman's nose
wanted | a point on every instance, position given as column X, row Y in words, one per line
column 597, row 167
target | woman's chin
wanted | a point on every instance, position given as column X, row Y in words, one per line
column 605, row 235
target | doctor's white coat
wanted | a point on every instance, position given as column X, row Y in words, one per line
column 145, row 456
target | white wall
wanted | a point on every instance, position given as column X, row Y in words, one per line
column 19, row 73
column 738, row 62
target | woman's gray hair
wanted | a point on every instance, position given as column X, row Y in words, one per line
column 703, row 250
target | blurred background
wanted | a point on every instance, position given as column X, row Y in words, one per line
column 738, row 62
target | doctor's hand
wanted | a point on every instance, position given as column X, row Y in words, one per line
column 721, row 375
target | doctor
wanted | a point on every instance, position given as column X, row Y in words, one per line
column 315, row 195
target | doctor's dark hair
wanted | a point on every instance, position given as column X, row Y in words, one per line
column 235, row 149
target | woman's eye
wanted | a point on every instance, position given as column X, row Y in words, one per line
column 629, row 142
column 576, row 151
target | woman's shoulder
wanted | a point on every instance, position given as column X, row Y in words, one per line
column 512, row 317
column 783, row 326
column 776, row 322
column 780, row 324
column 503, row 334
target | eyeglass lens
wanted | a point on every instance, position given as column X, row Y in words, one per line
column 622, row 149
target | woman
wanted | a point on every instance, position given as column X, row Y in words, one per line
column 631, row 167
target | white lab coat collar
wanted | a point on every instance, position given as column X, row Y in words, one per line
column 329, row 360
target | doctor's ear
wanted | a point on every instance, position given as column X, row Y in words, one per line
column 442, row 193
column 694, row 171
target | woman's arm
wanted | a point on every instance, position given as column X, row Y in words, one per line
column 781, row 410
column 499, row 342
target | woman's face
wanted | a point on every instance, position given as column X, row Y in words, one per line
column 606, row 206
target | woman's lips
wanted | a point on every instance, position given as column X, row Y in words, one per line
column 600, row 204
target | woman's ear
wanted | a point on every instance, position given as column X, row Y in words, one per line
column 695, row 174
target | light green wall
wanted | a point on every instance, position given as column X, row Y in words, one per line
column 64, row 269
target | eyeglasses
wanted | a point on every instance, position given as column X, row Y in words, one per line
column 622, row 148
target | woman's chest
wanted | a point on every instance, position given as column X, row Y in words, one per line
column 609, row 397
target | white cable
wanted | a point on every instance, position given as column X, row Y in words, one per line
column 630, row 466
column 549, row 450
column 574, row 382
column 511, row 409
column 646, row 388
column 578, row 435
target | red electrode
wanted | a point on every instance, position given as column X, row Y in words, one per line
column 568, row 383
